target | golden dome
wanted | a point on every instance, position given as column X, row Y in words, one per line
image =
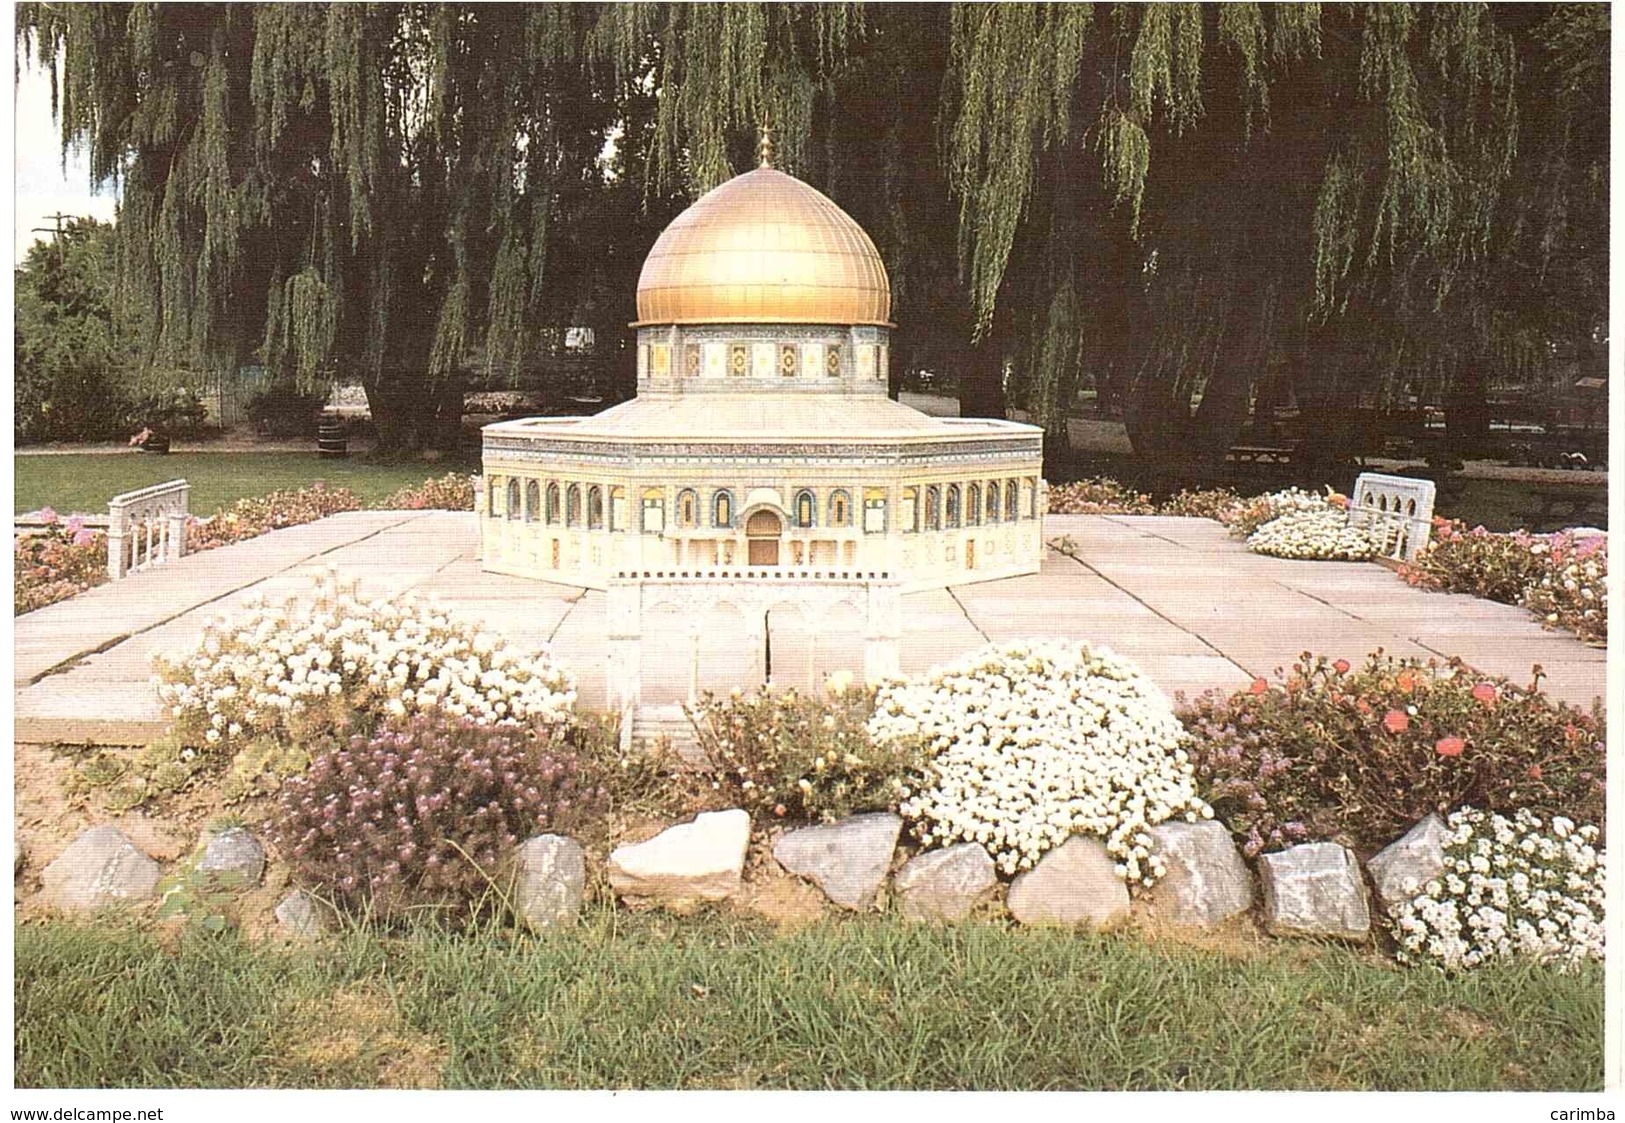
column 764, row 248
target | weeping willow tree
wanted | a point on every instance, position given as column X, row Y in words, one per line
column 357, row 189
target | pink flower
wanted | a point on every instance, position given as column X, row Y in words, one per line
column 83, row 537
column 1396, row 721
column 1449, row 746
column 1485, row 693
column 1341, row 666
column 1259, row 686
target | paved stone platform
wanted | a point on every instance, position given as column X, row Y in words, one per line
column 1189, row 604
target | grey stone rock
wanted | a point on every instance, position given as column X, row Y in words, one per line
column 1315, row 890
column 945, row 884
column 847, row 860
column 302, row 915
column 101, row 867
column 1076, row 883
column 1413, row 860
column 550, row 881
column 687, row 864
column 234, row 851
column 1205, row 883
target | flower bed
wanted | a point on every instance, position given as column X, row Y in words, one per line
column 1098, row 496
column 452, row 492
column 1511, row 888
column 250, row 518
column 1246, row 516
column 1314, row 534
column 1357, row 756
column 60, row 561
column 1561, row 578
column 1028, row 743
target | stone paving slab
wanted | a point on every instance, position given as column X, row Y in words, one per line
column 1180, row 597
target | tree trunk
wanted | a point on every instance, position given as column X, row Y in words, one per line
column 981, row 381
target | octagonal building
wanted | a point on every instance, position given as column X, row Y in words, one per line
column 762, row 437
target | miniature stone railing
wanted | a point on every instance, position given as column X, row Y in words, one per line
column 1397, row 508
column 146, row 528
column 751, row 592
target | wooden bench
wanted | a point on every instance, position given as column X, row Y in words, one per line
column 1259, row 454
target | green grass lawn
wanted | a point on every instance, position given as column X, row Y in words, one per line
column 85, row 483
column 869, row 1002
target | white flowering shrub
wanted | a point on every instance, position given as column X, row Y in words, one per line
column 1029, row 743
column 287, row 672
column 1247, row 515
column 1314, row 534
column 1518, row 888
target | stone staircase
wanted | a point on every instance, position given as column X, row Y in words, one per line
column 653, row 723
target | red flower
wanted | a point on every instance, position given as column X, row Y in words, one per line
column 1341, row 666
column 1406, row 680
column 1535, row 773
column 1396, row 721
column 1486, row 693
column 1259, row 686
column 1363, row 706
column 1449, row 746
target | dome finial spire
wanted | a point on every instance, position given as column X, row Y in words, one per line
column 765, row 147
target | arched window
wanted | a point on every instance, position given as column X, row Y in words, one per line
column 993, row 501
column 688, row 508
column 874, row 511
column 910, row 512
column 595, row 508
column 933, row 508
column 1032, row 497
column 572, row 506
column 1012, row 501
column 491, row 487
column 617, row 509
column 514, row 509
column 533, row 501
column 722, row 509
column 840, row 509
column 952, row 512
column 973, row 505
column 553, row 503
column 806, row 509
column 654, row 510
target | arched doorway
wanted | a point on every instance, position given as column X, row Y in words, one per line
column 762, row 532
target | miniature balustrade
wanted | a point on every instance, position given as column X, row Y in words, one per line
column 146, row 528
column 1397, row 508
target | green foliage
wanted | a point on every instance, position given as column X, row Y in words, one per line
column 1359, row 755
column 73, row 373
column 800, row 757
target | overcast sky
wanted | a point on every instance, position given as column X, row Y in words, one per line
column 42, row 187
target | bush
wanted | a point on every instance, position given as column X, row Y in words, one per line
column 1572, row 593
column 250, row 518
column 1314, row 534
column 283, row 410
column 1206, row 503
column 292, row 675
column 1099, row 496
column 1511, row 889
column 58, row 562
column 451, row 492
column 170, row 412
column 1358, row 756
column 1029, row 743
column 799, row 757
column 426, row 811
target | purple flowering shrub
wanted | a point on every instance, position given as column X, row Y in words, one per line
column 426, row 811
column 60, row 561
column 1357, row 755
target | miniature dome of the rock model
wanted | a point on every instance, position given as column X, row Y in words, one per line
column 764, row 248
